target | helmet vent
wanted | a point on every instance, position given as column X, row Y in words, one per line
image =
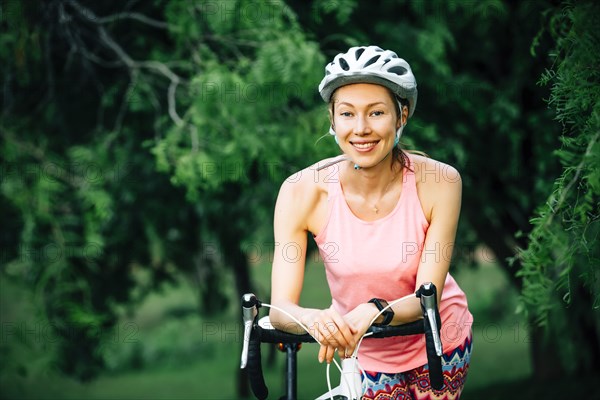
column 371, row 61
column 344, row 64
column 398, row 70
column 359, row 52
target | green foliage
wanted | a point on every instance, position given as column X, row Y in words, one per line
column 153, row 136
column 223, row 100
column 563, row 254
column 341, row 9
column 250, row 121
column 76, row 179
column 561, row 263
column 62, row 247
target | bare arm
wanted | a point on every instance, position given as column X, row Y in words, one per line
column 287, row 275
column 441, row 235
column 293, row 209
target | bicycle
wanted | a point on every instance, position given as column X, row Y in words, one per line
column 260, row 331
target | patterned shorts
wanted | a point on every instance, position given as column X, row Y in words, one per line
column 415, row 384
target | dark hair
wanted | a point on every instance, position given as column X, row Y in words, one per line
column 397, row 152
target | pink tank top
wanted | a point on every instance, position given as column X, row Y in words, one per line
column 380, row 259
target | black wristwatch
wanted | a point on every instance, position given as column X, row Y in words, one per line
column 388, row 314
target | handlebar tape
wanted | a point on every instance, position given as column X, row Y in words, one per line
column 255, row 373
column 434, row 361
column 384, row 331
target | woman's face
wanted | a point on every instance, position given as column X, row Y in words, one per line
column 365, row 122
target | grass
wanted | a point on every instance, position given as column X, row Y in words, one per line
column 175, row 355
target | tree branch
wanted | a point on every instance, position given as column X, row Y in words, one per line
column 563, row 195
column 87, row 13
column 132, row 64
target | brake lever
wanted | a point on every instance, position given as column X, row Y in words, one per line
column 250, row 306
column 428, row 295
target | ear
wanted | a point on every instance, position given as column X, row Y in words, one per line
column 330, row 109
column 404, row 115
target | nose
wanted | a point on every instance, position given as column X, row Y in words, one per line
column 361, row 127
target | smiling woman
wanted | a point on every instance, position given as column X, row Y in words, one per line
column 392, row 216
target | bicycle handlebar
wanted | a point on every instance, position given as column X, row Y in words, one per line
column 254, row 335
column 278, row 336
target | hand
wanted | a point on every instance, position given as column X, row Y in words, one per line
column 359, row 319
column 332, row 331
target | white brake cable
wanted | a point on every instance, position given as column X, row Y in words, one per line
column 296, row 320
column 390, row 304
column 355, row 354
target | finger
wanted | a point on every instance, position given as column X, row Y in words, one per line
column 322, row 353
column 327, row 332
column 344, row 336
column 330, row 353
column 332, row 333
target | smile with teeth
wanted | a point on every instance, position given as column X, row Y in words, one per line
column 364, row 145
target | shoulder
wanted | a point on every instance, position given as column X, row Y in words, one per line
column 431, row 172
column 438, row 183
column 303, row 192
column 312, row 179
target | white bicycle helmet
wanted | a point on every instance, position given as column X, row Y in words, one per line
column 370, row 64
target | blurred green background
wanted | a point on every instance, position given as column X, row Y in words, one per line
column 144, row 142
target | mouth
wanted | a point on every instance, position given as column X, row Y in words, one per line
column 364, row 146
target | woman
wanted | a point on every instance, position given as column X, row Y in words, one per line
column 385, row 222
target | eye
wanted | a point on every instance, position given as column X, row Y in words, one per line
column 346, row 114
column 377, row 113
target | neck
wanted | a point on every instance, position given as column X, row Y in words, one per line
column 372, row 181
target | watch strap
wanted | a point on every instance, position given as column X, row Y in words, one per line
column 388, row 314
